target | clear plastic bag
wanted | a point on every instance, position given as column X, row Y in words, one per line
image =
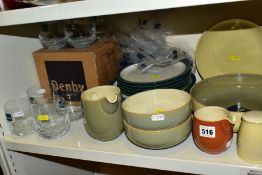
column 147, row 46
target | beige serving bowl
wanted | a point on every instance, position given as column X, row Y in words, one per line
column 157, row 109
column 159, row 139
column 236, row 92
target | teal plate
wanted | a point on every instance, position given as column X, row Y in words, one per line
column 156, row 82
column 178, row 83
column 186, row 87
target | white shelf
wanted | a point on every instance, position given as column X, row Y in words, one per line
column 88, row 8
column 185, row 157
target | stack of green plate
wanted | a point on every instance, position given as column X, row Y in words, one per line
column 176, row 76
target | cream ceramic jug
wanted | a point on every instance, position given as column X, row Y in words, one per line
column 249, row 140
column 103, row 112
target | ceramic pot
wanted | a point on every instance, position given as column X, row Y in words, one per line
column 237, row 93
column 213, row 129
column 102, row 112
column 249, row 141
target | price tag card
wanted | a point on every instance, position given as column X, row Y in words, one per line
column 207, row 131
column 158, row 117
column 245, row 171
column 155, row 76
column 43, row 117
column 235, row 58
column 18, row 114
column 41, row 91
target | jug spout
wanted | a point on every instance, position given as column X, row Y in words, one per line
column 112, row 98
column 110, row 104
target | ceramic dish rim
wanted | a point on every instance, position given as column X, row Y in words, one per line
column 84, row 94
column 225, row 75
column 187, row 69
column 213, row 77
column 186, row 102
column 181, row 84
column 189, row 85
column 189, row 118
column 254, row 25
column 204, row 74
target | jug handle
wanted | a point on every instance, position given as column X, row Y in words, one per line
column 235, row 119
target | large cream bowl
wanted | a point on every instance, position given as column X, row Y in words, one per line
column 236, row 92
column 157, row 109
column 159, row 139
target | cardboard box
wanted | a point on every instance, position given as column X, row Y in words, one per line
column 78, row 69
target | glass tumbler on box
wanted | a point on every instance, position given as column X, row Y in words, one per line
column 80, row 36
column 51, row 117
column 19, row 117
column 51, row 39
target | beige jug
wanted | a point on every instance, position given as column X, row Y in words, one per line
column 249, row 140
column 103, row 112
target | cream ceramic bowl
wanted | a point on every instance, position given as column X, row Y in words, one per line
column 159, row 139
column 157, row 109
column 236, row 92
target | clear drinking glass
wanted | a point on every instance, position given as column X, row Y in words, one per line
column 51, row 117
column 19, row 117
column 51, row 40
column 34, row 92
column 80, row 36
column 72, row 103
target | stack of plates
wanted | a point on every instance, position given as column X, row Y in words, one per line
column 176, row 76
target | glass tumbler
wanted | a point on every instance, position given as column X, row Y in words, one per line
column 19, row 117
column 51, row 39
column 34, row 92
column 80, row 36
column 72, row 103
column 51, row 117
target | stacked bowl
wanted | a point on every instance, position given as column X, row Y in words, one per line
column 158, row 119
column 133, row 80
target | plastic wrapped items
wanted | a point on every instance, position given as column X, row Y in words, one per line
column 147, row 46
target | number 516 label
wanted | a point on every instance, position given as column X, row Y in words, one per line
column 207, row 131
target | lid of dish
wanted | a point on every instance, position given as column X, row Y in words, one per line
column 133, row 74
column 253, row 116
column 227, row 50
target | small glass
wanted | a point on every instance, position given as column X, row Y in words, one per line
column 51, row 117
column 51, row 40
column 34, row 92
column 80, row 36
column 72, row 103
column 19, row 117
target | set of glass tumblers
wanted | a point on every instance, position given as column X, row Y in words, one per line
column 48, row 115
